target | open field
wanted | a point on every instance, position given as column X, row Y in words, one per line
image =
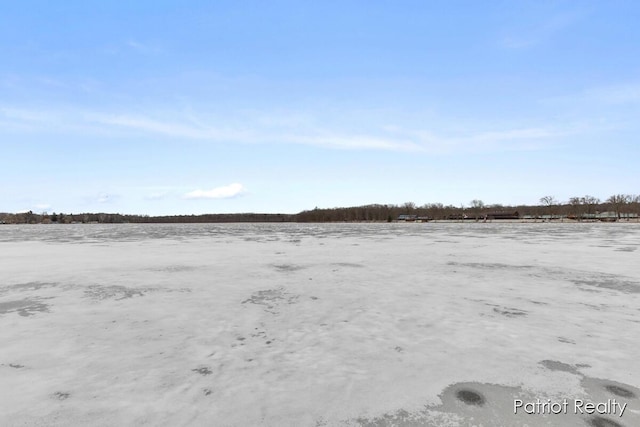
column 438, row 324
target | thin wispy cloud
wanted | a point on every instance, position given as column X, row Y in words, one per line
column 515, row 135
column 133, row 46
column 446, row 136
column 143, row 48
column 149, row 125
column 157, row 196
column 602, row 108
column 106, row 198
column 627, row 93
column 531, row 35
column 27, row 115
column 352, row 142
column 224, row 192
column 396, row 139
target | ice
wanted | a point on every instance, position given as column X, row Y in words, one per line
column 428, row 324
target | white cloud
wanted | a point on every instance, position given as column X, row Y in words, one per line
column 224, row 192
column 43, row 206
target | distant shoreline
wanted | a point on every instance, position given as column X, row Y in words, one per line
column 435, row 221
column 624, row 211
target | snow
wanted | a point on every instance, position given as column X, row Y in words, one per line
column 316, row 324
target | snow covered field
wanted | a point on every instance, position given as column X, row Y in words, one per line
column 318, row 324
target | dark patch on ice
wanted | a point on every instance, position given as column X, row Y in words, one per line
column 626, row 249
column 596, row 386
column 400, row 418
column 287, row 267
column 314, row 298
column 98, row 293
column 265, row 297
column 263, row 335
column 15, row 365
column 470, row 397
column 60, row 395
column 490, row 265
column 598, row 421
column 609, row 282
column 203, row 370
column 539, row 302
column 207, row 392
column 582, row 365
column 620, row 391
column 271, row 298
column 26, row 307
column 175, row 268
column 399, row 349
column 554, row 365
column 348, row 264
column 566, row 340
column 510, row 312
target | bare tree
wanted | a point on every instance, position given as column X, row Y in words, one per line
column 618, row 201
column 576, row 207
column 409, row 207
column 550, row 202
column 476, row 207
column 634, row 204
column 590, row 202
column 434, row 210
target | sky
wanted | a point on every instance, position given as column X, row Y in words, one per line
column 173, row 107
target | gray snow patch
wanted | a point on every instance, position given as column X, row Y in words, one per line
column 554, row 365
column 26, row 307
column 98, row 293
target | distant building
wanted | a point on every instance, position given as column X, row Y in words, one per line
column 502, row 215
column 613, row 216
column 407, row 218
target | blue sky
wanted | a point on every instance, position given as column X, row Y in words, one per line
column 167, row 107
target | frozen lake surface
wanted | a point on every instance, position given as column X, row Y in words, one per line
column 318, row 324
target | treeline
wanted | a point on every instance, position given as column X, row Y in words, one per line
column 578, row 208
column 241, row 217
column 115, row 218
